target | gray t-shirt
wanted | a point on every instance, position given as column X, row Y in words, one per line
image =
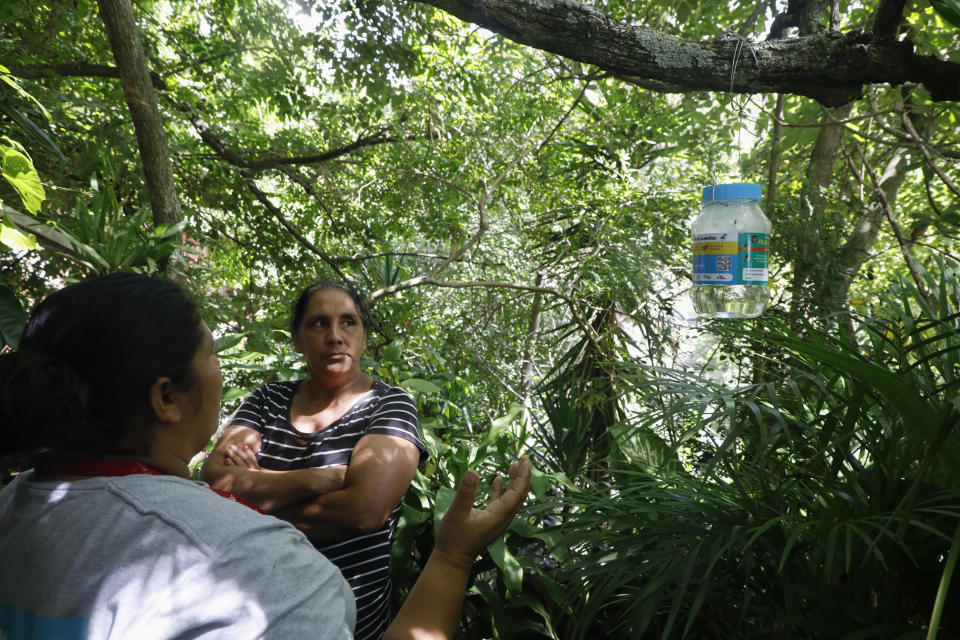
column 158, row 558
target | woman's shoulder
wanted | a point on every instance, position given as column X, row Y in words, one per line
column 389, row 399
column 280, row 386
column 193, row 508
column 381, row 389
column 154, row 502
column 386, row 395
column 276, row 391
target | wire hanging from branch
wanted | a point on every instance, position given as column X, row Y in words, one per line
column 741, row 107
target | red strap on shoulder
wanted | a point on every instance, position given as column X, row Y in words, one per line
column 236, row 498
column 47, row 464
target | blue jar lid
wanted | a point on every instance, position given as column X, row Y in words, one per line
column 733, row 191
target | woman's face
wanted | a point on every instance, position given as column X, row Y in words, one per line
column 207, row 389
column 331, row 336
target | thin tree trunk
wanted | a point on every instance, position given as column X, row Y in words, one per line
column 807, row 267
column 759, row 360
column 533, row 331
column 121, row 27
column 774, row 167
column 856, row 249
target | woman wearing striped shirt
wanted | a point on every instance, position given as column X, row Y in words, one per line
column 332, row 454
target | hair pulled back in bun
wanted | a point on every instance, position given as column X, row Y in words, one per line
column 87, row 358
column 359, row 300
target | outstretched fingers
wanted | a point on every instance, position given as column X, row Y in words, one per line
column 497, row 490
column 466, row 493
column 518, row 487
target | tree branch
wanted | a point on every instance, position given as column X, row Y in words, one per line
column 829, row 68
column 916, row 139
column 216, row 56
column 856, row 248
column 82, row 69
column 804, row 16
column 533, row 331
column 362, row 142
column 946, row 154
column 482, row 202
column 403, row 254
column 275, row 210
column 887, row 19
column 774, row 166
column 588, row 331
column 901, row 137
column 747, row 25
column 573, row 105
column 224, row 151
column 308, row 188
column 888, row 211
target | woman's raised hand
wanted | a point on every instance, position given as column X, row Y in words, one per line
column 465, row 531
column 433, row 605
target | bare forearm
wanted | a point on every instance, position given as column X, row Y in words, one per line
column 379, row 473
column 268, row 490
column 334, row 516
column 273, row 490
column 431, row 610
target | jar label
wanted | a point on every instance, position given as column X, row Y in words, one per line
column 730, row 258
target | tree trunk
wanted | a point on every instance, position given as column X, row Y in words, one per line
column 121, row 26
column 774, row 167
column 809, row 265
column 533, row 331
column 856, row 250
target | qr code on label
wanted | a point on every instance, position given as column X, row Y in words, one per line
column 724, row 263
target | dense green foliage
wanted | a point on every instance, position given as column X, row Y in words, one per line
column 790, row 477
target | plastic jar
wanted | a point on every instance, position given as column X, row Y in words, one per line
column 731, row 248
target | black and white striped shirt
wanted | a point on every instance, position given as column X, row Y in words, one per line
column 385, row 410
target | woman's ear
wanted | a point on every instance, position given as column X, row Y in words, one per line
column 163, row 401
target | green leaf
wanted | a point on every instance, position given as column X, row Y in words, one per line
column 795, row 532
column 897, row 390
column 14, row 238
column 499, row 424
column 949, row 10
column 441, row 504
column 420, row 385
column 509, row 567
column 12, row 317
column 539, row 483
column 19, row 172
column 226, row 342
column 233, row 393
column 393, row 352
column 32, row 130
column 8, row 79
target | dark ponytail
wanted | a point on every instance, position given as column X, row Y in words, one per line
column 87, row 358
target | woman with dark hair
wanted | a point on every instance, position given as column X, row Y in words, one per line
column 333, row 453
column 106, row 537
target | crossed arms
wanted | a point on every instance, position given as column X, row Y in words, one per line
column 327, row 504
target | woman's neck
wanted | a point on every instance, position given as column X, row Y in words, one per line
column 166, row 462
column 324, row 391
column 79, row 466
